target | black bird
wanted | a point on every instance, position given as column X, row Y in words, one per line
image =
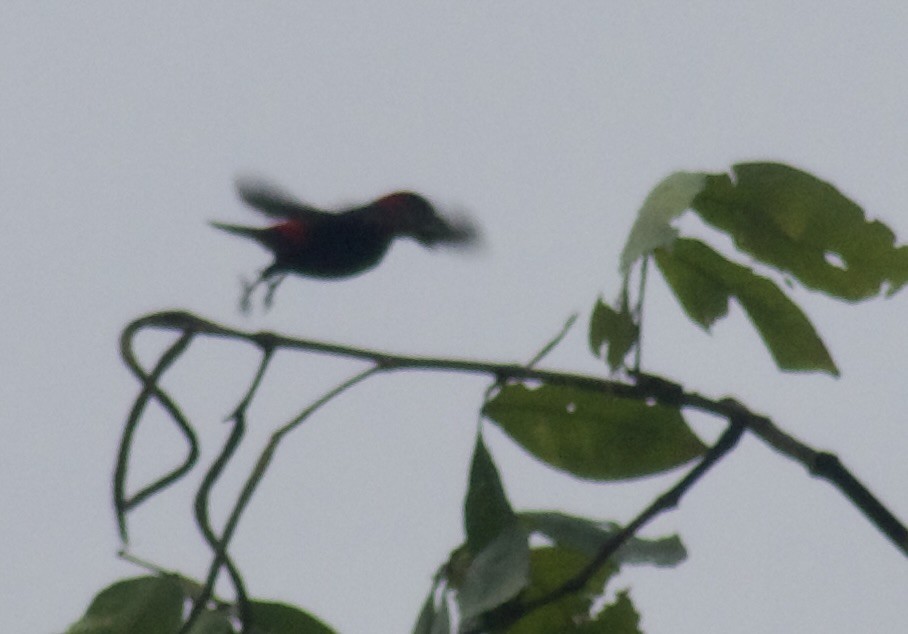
column 331, row 245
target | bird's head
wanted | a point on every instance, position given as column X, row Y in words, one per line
column 409, row 214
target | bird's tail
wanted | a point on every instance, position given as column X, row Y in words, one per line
column 246, row 232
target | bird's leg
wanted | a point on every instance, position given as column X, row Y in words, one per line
column 246, row 294
column 249, row 287
column 272, row 285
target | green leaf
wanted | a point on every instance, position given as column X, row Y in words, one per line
column 653, row 229
column 615, row 328
column 497, row 547
column 551, row 567
column 143, row 605
column 496, row 574
column 587, row 537
column 487, row 511
column 576, row 533
column 702, row 292
column 279, row 618
column 212, row 622
column 594, row 435
column 618, row 617
column 804, row 226
column 703, row 280
column 433, row 619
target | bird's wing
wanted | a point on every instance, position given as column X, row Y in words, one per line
column 272, row 200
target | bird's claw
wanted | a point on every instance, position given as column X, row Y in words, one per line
column 246, row 295
column 248, row 288
column 272, row 285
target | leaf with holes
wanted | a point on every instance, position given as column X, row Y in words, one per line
column 804, row 226
column 587, row 536
column 552, row 567
column 594, row 435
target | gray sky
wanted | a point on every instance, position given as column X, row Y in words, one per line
column 121, row 132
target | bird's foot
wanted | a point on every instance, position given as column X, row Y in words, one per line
column 271, row 285
column 245, row 305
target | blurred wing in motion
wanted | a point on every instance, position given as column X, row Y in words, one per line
column 271, row 200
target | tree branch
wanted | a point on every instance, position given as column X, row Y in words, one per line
column 512, row 613
column 643, row 387
column 150, row 388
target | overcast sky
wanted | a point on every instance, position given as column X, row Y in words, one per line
column 121, row 131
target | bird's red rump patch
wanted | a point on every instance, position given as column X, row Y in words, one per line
column 292, row 231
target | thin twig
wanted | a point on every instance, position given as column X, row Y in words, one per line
column 638, row 314
column 547, row 348
column 150, row 388
column 181, row 320
column 243, row 405
column 203, row 520
column 255, row 477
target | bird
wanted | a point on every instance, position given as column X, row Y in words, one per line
column 330, row 245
